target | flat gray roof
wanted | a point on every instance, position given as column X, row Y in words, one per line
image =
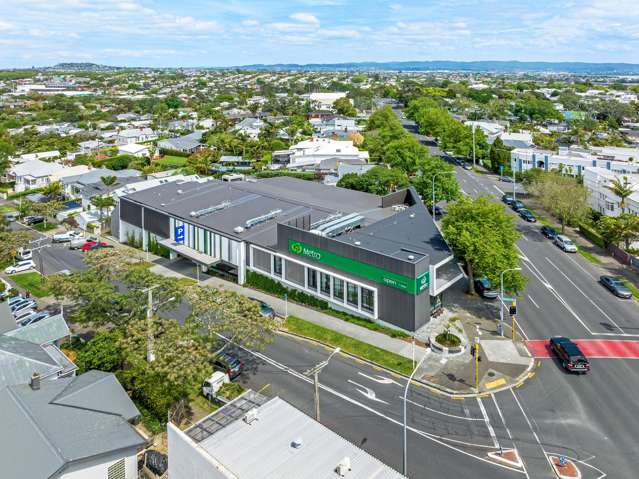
column 263, row 449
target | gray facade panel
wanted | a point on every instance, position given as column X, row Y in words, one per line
column 294, row 272
column 131, row 213
column 157, row 223
column 398, row 308
column 262, row 260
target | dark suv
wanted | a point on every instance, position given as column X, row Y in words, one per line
column 228, row 363
column 484, row 289
column 549, row 232
column 508, row 199
column 571, row 357
column 517, row 205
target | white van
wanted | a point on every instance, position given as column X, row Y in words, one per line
column 212, row 385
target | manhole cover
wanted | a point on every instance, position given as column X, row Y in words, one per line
column 491, row 374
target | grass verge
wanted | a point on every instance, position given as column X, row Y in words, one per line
column 351, row 345
column 42, row 227
column 630, row 286
column 32, row 282
column 589, row 256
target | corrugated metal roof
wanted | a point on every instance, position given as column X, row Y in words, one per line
column 263, row 450
column 45, row 331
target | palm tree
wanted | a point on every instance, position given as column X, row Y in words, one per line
column 102, row 203
column 109, row 180
column 52, row 189
column 623, row 189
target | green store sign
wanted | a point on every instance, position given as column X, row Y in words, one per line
column 373, row 273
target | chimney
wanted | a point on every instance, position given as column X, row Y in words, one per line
column 35, row 382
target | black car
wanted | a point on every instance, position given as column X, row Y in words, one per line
column 229, row 363
column 616, row 287
column 484, row 289
column 571, row 357
column 527, row 215
column 508, row 199
column 32, row 220
column 517, row 205
column 507, row 179
column 265, row 310
column 549, row 232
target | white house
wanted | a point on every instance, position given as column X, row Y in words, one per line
column 43, row 155
column 250, row 127
column 491, row 129
column 135, row 135
column 339, row 125
column 310, row 153
column 134, row 149
column 602, row 199
column 324, row 101
column 575, row 160
column 522, row 139
column 37, row 174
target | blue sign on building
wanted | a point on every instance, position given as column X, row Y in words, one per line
column 179, row 233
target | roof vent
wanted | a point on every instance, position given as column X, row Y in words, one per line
column 35, row 381
column 179, row 192
column 358, row 243
column 411, row 257
column 251, row 416
column 412, row 215
column 297, row 443
column 238, row 229
column 343, row 467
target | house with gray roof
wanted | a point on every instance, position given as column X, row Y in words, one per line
column 79, row 427
column 187, row 144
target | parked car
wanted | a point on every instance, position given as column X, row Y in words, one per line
column 571, row 357
column 24, row 254
column 19, row 306
column 517, row 205
column 66, row 237
column 33, row 318
column 527, row 215
column 265, row 309
column 32, row 220
column 77, row 243
column 11, row 216
column 616, row 287
column 24, row 312
column 13, row 300
column 92, row 245
column 507, row 179
column 484, row 289
column 20, row 266
column 565, row 244
column 468, row 166
column 549, row 232
column 508, row 199
column 229, row 363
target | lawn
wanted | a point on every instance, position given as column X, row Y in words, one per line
column 169, row 161
column 354, row 346
column 32, row 282
column 589, row 256
column 4, row 209
column 44, row 227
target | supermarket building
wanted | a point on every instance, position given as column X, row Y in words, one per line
column 381, row 258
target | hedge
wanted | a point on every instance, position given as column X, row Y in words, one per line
column 268, row 285
column 592, row 234
column 303, row 175
column 170, row 152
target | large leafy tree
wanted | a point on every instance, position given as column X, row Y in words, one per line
column 343, row 106
column 483, row 236
column 563, row 196
column 499, row 156
column 623, row 228
column 405, row 153
column 446, row 185
column 11, row 242
column 378, row 180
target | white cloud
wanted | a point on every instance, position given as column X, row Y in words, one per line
column 305, row 18
column 250, row 22
column 191, row 23
column 5, row 26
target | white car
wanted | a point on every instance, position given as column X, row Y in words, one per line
column 24, row 254
column 565, row 243
column 20, row 267
column 66, row 237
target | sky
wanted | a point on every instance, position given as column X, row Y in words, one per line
column 191, row 33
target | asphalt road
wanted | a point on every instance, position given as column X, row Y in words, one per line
column 591, row 418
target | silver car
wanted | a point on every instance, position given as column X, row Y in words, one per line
column 565, row 243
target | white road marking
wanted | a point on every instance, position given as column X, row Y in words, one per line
column 584, row 294
column 499, row 189
column 454, row 416
column 581, row 268
column 475, row 190
column 524, row 237
column 379, row 379
column 491, row 431
column 367, row 392
column 532, row 301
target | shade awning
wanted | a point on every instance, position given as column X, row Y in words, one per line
column 190, row 253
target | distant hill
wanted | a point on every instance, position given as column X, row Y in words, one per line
column 82, row 67
column 477, row 66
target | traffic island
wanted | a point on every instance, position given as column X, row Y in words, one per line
column 510, row 457
column 564, row 467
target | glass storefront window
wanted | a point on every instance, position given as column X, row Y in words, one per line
column 325, row 284
column 277, row 266
column 368, row 300
column 311, row 279
column 338, row 289
column 352, row 294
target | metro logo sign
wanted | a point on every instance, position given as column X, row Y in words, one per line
column 357, row 268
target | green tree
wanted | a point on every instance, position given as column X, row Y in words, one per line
column 379, row 180
column 11, row 242
column 48, row 209
column 53, row 190
column 563, row 196
column 623, row 189
column 446, row 185
column 405, row 153
column 484, row 237
column 102, row 352
column 109, row 180
column 102, row 203
column 343, row 106
column 499, row 157
column 623, row 228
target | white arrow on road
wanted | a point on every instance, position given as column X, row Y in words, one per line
column 368, row 392
column 379, row 379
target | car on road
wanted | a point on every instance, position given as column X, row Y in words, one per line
column 32, row 220
column 615, row 286
column 24, row 254
column 549, row 232
column 66, row 237
column 229, row 363
column 20, row 266
column 92, row 245
column 484, row 288
column 571, row 357
column 517, row 205
column 11, row 216
column 508, row 199
column 565, row 244
column 527, row 215
column 265, row 309
column 467, row 166
column 507, row 179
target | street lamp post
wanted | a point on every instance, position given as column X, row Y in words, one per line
column 405, row 462
column 150, row 309
column 433, row 180
column 501, row 299
column 314, row 371
column 474, row 145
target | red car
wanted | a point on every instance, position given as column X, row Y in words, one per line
column 91, row 245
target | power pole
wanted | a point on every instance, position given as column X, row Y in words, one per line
column 314, row 371
column 150, row 355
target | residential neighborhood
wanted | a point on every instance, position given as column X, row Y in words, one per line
column 278, row 246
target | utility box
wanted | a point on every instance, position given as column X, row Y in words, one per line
column 212, row 385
